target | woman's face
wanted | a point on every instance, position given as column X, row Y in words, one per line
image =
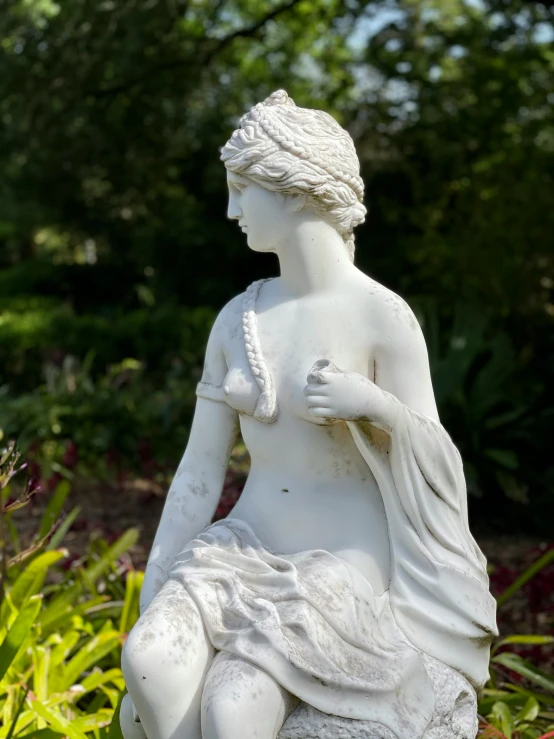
column 263, row 215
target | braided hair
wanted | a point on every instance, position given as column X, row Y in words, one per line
column 266, row 408
column 299, row 151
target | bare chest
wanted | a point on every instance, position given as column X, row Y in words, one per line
column 292, row 337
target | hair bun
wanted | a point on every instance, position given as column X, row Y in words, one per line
column 279, row 97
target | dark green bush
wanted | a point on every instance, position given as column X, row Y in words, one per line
column 35, row 330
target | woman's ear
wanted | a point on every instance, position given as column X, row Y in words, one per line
column 297, row 202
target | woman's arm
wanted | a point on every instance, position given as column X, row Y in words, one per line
column 402, row 364
column 196, row 487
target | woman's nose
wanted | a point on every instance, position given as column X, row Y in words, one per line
column 233, row 210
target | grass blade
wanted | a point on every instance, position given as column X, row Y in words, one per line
column 130, row 611
column 57, row 721
column 18, row 633
column 536, row 567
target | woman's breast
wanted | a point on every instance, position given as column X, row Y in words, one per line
column 240, row 389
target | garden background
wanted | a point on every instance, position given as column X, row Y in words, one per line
column 115, row 256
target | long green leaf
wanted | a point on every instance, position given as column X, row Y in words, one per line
column 95, row 679
column 66, row 601
column 517, row 689
column 536, row 639
column 61, row 611
column 65, row 606
column 54, row 507
column 31, row 579
column 113, row 694
column 17, row 714
column 529, row 712
column 490, row 697
column 18, row 633
column 119, row 547
column 57, row 721
column 63, row 528
column 130, row 611
column 92, row 652
column 536, row 567
column 502, row 713
column 515, row 663
column 115, row 728
column 60, row 605
column 91, row 721
column 62, row 649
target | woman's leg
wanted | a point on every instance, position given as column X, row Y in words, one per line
column 241, row 700
column 164, row 662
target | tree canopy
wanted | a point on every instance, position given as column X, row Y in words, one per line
column 113, row 198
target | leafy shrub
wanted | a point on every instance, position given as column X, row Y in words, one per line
column 121, row 420
column 518, row 701
column 39, row 330
column 62, row 625
column 498, row 421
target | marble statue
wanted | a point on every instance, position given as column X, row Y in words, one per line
column 344, row 595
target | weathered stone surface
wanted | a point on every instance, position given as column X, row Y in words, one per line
column 307, row 723
column 455, row 715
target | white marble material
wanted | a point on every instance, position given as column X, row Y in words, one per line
column 454, row 715
column 344, row 595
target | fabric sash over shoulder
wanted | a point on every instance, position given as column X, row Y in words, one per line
column 439, row 592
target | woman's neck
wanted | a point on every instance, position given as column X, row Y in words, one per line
column 313, row 258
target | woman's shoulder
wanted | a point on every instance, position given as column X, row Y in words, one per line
column 387, row 309
column 229, row 318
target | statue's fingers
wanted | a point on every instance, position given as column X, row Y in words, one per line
column 316, row 401
column 316, row 389
column 320, row 412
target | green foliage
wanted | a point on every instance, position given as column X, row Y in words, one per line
column 497, row 423
column 132, row 102
column 463, row 104
column 522, row 710
column 518, row 700
column 36, row 329
column 61, row 632
column 122, row 419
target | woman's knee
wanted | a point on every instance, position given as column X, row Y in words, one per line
column 169, row 637
column 240, row 699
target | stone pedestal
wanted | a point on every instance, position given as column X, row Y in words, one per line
column 454, row 717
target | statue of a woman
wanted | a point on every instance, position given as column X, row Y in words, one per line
column 345, row 587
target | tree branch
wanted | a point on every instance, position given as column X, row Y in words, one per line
column 206, row 58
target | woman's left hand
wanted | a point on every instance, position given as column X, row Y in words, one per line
column 333, row 395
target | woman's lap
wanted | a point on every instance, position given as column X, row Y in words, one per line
column 305, row 625
column 309, row 620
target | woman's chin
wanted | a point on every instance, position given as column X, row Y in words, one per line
column 256, row 246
